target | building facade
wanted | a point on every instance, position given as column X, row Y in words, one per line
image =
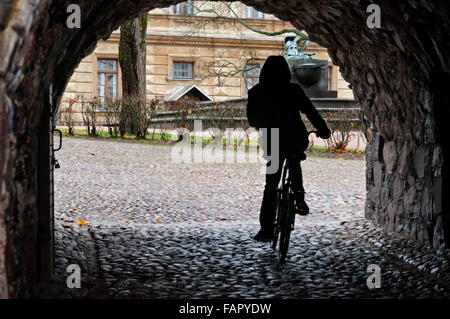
column 189, row 47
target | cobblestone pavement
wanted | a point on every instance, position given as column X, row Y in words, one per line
column 157, row 229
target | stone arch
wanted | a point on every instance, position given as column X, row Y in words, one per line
column 399, row 74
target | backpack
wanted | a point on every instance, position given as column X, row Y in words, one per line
column 261, row 114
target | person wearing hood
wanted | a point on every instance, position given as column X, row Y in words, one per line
column 275, row 102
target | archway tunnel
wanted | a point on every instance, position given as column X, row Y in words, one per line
column 399, row 74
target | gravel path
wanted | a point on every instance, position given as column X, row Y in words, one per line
column 157, row 229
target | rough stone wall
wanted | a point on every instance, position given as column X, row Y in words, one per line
column 390, row 69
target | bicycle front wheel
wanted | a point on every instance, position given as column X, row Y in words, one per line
column 276, row 221
column 285, row 226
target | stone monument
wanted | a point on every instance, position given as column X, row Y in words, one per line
column 310, row 73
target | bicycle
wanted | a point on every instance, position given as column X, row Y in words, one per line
column 285, row 212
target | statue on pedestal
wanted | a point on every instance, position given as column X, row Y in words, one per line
column 304, row 67
column 310, row 73
column 291, row 48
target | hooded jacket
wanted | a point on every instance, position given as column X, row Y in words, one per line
column 275, row 102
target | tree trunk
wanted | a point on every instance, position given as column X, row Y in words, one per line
column 132, row 59
column 132, row 54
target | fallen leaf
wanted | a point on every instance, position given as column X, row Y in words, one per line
column 81, row 222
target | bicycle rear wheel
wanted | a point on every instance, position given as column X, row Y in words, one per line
column 285, row 226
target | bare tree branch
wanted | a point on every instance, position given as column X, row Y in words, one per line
column 214, row 16
column 217, row 13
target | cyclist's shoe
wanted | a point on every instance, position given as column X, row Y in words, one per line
column 300, row 205
column 263, row 236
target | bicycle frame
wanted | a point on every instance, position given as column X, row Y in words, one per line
column 285, row 216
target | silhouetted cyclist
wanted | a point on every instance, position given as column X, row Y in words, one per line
column 275, row 102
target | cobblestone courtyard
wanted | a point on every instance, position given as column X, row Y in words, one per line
column 157, row 229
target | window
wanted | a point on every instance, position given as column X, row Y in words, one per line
column 252, row 75
column 183, row 8
column 182, row 70
column 106, row 79
column 253, row 13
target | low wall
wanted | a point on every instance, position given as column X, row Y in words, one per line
column 166, row 117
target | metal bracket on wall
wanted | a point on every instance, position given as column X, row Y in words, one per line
column 54, row 160
column 53, row 110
